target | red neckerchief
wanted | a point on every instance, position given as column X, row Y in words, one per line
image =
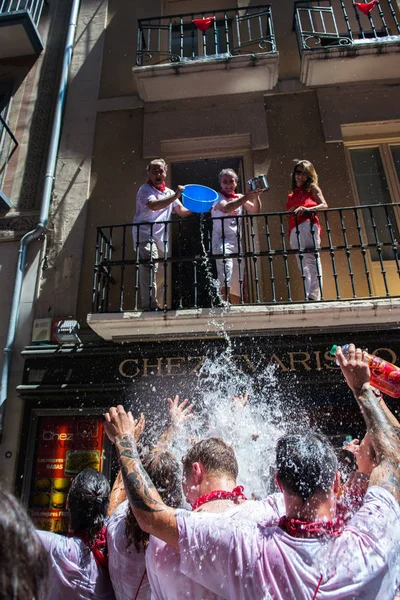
column 98, row 547
column 234, row 495
column 316, row 529
column 161, row 189
column 233, row 195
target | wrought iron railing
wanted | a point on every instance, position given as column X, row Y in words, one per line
column 202, row 35
column 331, row 23
column 359, row 258
column 8, row 144
column 32, row 7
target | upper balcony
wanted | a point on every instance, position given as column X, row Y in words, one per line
column 360, row 40
column 19, row 21
column 8, row 145
column 215, row 53
column 358, row 267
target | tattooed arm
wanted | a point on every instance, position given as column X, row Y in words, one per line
column 151, row 513
column 381, row 424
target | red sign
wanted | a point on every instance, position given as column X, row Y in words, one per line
column 64, row 447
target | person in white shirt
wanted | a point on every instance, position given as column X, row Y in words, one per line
column 210, row 471
column 310, row 553
column 127, row 542
column 79, row 562
column 155, row 204
column 227, row 233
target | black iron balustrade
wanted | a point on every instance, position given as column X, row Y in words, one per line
column 202, row 35
column 359, row 253
column 8, row 144
column 332, row 23
column 32, row 7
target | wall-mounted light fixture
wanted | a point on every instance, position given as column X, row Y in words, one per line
column 67, row 332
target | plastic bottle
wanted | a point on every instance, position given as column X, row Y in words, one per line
column 384, row 376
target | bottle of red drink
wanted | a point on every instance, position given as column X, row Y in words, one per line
column 384, row 376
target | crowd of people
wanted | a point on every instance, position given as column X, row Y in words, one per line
column 155, row 204
column 331, row 530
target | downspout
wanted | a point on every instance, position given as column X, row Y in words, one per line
column 44, row 209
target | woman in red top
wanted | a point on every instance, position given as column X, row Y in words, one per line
column 304, row 200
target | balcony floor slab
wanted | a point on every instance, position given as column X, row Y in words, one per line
column 363, row 60
column 309, row 317
column 210, row 77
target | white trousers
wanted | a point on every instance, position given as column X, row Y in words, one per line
column 311, row 266
column 151, row 284
column 228, row 270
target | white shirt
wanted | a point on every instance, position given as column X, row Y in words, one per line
column 230, row 225
column 75, row 575
column 148, row 193
column 162, row 561
column 247, row 561
column 126, row 566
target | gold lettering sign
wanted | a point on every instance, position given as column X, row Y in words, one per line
column 125, row 368
column 302, row 361
column 299, row 360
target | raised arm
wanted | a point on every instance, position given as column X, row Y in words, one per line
column 164, row 202
column 151, row 513
column 178, row 415
column 118, row 492
column 384, row 434
column 250, row 198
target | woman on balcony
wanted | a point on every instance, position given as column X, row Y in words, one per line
column 304, row 200
column 227, row 232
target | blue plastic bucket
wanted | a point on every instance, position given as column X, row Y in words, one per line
column 198, row 198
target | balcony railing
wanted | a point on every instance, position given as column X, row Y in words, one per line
column 8, row 144
column 358, row 259
column 333, row 23
column 195, row 36
column 13, row 7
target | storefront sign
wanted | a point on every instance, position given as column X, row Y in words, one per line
column 64, row 447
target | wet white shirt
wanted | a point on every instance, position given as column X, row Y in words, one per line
column 254, row 562
column 148, row 193
column 126, row 566
column 162, row 561
column 74, row 573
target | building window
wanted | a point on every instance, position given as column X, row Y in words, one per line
column 376, row 172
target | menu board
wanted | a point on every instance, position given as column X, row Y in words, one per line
column 64, row 447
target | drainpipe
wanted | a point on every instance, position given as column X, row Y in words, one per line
column 44, row 209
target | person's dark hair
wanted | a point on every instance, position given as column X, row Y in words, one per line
column 163, row 469
column 215, row 455
column 306, row 464
column 24, row 563
column 309, row 170
column 88, row 498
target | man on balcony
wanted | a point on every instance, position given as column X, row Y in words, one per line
column 155, row 204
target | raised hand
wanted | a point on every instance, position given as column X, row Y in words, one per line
column 179, row 413
column 118, row 423
column 354, row 368
column 240, row 400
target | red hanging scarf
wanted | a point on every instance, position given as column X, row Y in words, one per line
column 161, row 189
column 229, row 196
column 204, row 23
column 305, row 529
column 366, row 7
column 98, row 547
column 234, row 495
